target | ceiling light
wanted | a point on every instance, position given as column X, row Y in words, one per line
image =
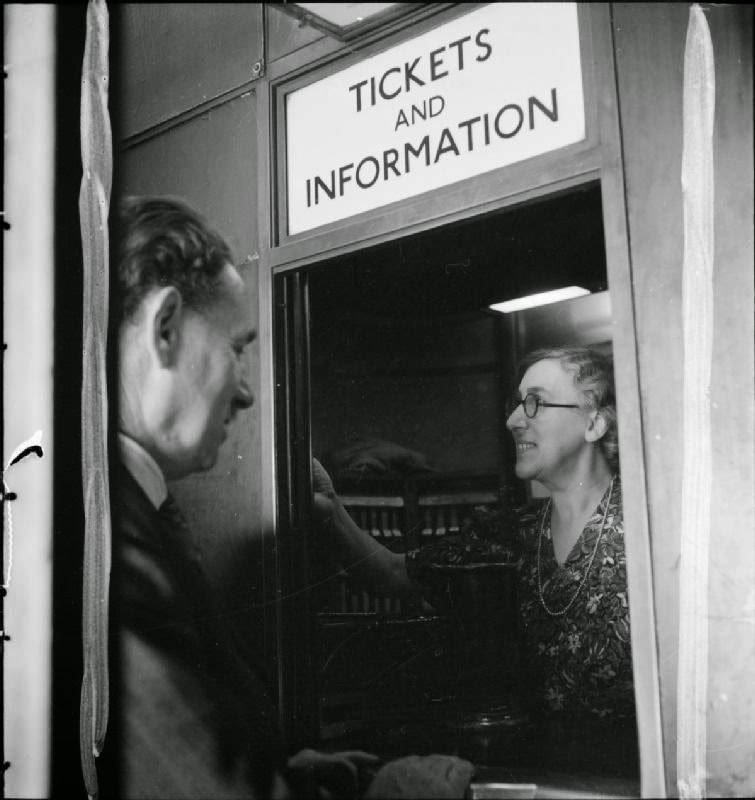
column 347, row 20
column 541, row 299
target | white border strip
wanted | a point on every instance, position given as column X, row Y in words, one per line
column 28, row 255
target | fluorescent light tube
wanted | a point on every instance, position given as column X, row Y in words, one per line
column 541, row 299
column 344, row 14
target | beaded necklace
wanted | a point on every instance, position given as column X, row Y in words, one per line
column 589, row 566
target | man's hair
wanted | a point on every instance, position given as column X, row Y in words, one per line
column 161, row 241
column 593, row 377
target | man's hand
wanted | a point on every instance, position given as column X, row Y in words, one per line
column 321, row 481
column 324, row 493
column 367, row 561
column 438, row 776
column 336, row 775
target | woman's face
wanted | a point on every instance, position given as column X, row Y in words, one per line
column 550, row 444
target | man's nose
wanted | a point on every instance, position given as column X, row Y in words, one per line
column 244, row 397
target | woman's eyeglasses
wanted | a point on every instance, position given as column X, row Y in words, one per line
column 531, row 404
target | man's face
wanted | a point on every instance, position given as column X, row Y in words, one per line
column 548, row 445
column 211, row 376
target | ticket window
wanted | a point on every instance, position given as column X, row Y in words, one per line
column 409, row 367
column 385, row 334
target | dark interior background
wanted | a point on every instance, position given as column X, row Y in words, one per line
column 404, row 347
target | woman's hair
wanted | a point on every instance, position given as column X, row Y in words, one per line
column 593, row 377
column 161, row 241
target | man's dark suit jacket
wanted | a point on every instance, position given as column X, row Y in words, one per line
column 192, row 719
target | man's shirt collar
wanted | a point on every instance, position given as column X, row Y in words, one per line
column 144, row 469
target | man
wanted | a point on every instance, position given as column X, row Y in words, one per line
column 193, row 717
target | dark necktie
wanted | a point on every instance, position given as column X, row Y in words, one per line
column 185, row 561
column 178, row 530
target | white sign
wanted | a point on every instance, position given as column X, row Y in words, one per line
column 492, row 87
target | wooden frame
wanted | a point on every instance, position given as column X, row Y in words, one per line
column 597, row 157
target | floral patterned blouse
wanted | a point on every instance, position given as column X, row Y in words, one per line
column 582, row 658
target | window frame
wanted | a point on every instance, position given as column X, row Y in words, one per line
column 596, row 158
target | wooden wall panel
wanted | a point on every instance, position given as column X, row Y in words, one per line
column 650, row 57
column 731, row 689
column 650, row 41
column 285, row 34
column 178, row 55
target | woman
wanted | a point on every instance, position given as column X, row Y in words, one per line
column 573, row 589
column 573, row 593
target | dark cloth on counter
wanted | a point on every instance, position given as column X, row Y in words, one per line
column 194, row 717
column 583, row 658
column 365, row 457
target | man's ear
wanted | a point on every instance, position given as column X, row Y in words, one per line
column 596, row 426
column 166, row 324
